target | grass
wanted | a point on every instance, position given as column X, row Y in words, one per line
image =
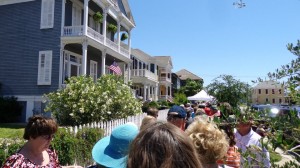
column 11, row 130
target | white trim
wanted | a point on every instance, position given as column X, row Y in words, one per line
column 9, row 2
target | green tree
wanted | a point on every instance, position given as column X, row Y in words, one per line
column 84, row 101
column 180, row 98
column 290, row 72
column 191, row 87
column 227, row 89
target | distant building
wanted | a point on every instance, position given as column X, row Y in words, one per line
column 175, row 83
column 268, row 92
column 184, row 74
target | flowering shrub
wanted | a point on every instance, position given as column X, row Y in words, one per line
column 84, row 101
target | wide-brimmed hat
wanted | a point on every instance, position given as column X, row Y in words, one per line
column 111, row 151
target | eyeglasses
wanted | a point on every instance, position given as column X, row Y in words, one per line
column 48, row 137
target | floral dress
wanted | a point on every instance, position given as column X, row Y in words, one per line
column 18, row 160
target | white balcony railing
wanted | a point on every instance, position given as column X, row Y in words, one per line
column 162, row 79
column 144, row 73
column 78, row 31
column 111, row 44
column 73, row 31
column 166, row 97
column 95, row 35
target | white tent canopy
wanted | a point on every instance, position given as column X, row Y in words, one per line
column 202, row 96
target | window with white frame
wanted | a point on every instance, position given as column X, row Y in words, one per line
column 76, row 15
column 45, row 68
column 47, row 14
column 93, row 70
column 72, row 65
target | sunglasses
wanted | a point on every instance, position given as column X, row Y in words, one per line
column 48, row 137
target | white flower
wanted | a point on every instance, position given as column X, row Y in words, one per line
column 81, row 110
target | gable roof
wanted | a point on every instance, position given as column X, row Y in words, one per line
column 185, row 74
column 163, row 60
column 128, row 10
column 268, row 85
column 141, row 55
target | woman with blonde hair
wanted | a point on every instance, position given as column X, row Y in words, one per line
column 162, row 145
column 209, row 141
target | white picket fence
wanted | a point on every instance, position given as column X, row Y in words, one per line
column 108, row 126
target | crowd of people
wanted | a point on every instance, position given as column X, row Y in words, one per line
column 189, row 138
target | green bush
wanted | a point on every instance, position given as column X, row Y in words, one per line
column 180, row 98
column 70, row 148
column 76, row 148
column 85, row 101
column 9, row 147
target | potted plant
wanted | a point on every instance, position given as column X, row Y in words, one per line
column 98, row 17
column 124, row 36
column 112, row 28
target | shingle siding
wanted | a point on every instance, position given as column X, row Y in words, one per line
column 21, row 40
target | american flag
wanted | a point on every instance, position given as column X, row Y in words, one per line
column 115, row 68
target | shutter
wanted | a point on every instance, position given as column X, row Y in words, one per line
column 45, row 68
column 47, row 14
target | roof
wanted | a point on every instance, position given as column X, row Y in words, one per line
column 163, row 60
column 185, row 74
column 268, row 85
column 141, row 55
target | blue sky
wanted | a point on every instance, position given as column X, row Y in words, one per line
column 213, row 37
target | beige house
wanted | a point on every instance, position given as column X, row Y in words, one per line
column 268, row 92
column 165, row 67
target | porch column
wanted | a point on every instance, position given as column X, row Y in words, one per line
column 129, row 42
column 118, row 36
column 29, row 108
column 170, row 93
column 129, row 72
column 156, row 92
column 84, row 58
column 148, row 92
column 61, row 65
column 63, row 17
column 85, row 16
column 145, row 92
column 167, row 90
column 104, row 24
column 103, row 57
column 138, row 68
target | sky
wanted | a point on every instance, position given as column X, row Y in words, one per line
column 213, row 37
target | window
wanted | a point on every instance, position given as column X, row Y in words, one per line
column 280, row 101
column 47, row 14
column 267, row 91
column 279, row 91
column 72, row 65
column 93, row 70
column 76, row 15
column 267, row 100
column 273, row 101
column 273, row 91
column 45, row 68
column 259, row 91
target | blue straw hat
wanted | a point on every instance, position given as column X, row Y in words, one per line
column 111, row 151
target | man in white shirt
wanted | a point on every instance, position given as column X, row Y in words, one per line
column 248, row 140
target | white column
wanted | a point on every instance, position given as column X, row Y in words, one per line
column 103, row 57
column 61, row 65
column 156, row 92
column 63, row 17
column 167, row 90
column 138, row 68
column 170, row 94
column 148, row 92
column 129, row 71
column 145, row 90
column 129, row 42
column 84, row 58
column 85, row 16
column 104, row 24
column 118, row 36
column 29, row 108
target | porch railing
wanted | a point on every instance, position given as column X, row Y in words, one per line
column 78, row 31
column 144, row 73
column 164, row 79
